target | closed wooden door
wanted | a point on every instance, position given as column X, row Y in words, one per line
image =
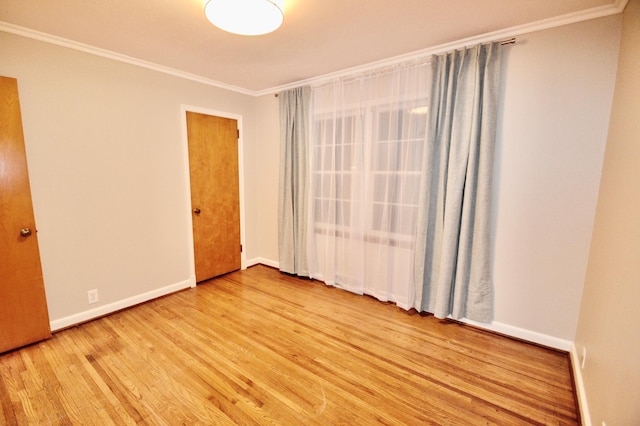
column 24, row 317
column 215, row 196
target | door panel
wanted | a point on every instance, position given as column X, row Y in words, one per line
column 24, row 317
column 215, row 197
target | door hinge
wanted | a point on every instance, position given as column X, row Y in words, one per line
column 240, row 248
column 238, row 134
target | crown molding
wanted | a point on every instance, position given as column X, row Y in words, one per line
column 63, row 42
column 572, row 18
column 597, row 12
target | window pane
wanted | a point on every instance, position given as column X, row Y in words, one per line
column 386, row 156
column 384, row 123
column 412, row 154
column 378, row 213
column 338, row 153
column 379, row 188
column 343, row 213
column 416, row 124
column 346, row 157
column 410, row 189
column 346, row 187
column 326, row 190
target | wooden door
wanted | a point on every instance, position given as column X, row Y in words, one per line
column 215, row 195
column 24, row 317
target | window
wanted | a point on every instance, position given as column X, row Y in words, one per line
column 367, row 137
column 334, row 165
column 397, row 157
column 366, row 167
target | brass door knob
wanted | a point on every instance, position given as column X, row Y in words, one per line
column 25, row 232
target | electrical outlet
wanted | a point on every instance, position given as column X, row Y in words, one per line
column 92, row 295
column 584, row 357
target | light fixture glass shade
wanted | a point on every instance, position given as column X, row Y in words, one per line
column 245, row 17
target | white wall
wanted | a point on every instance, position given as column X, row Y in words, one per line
column 609, row 315
column 557, row 97
column 558, row 91
column 267, row 176
column 105, row 151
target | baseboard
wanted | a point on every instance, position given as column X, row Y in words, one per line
column 119, row 305
column 262, row 261
column 524, row 334
column 519, row 333
column 581, row 392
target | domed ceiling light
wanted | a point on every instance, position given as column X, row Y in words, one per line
column 245, row 17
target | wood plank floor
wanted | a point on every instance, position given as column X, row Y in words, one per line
column 260, row 347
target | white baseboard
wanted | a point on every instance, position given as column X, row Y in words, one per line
column 497, row 327
column 262, row 261
column 523, row 334
column 579, row 383
column 121, row 304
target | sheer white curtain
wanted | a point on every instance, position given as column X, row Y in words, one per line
column 367, row 137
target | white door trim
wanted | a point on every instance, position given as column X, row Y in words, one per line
column 185, row 159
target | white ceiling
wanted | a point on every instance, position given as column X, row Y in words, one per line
column 317, row 37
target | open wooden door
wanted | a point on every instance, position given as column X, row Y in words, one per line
column 24, row 317
column 215, row 195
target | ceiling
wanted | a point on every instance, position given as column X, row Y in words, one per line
column 318, row 37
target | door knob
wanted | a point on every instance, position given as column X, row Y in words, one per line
column 25, row 232
column 196, row 211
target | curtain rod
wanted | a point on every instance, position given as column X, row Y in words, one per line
column 511, row 40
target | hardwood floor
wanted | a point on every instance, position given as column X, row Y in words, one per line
column 260, row 347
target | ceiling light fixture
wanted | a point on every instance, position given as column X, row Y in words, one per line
column 245, row 17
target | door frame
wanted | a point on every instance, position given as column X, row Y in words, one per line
column 187, row 178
